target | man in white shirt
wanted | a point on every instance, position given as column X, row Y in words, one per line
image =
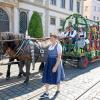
column 60, row 33
column 72, row 34
column 65, row 33
column 69, row 33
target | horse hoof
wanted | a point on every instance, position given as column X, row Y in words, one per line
column 8, row 77
column 26, row 82
column 19, row 76
column 33, row 69
column 24, row 74
column 40, row 70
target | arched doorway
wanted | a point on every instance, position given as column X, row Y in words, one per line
column 4, row 21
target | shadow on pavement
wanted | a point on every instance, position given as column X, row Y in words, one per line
column 1, row 74
column 14, row 87
column 74, row 72
column 15, row 79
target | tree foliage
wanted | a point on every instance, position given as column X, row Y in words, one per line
column 35, row 28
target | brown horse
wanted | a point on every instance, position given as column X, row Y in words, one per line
column 19, row 48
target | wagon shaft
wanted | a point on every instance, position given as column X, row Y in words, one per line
column 9, row 63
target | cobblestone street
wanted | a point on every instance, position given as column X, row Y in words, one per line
column 80, row 84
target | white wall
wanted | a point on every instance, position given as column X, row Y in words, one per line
column 61, row 13
column 58, row 16
column 55, row 11
column 16, row 20
column 95, row 12
column 66, row 9
column 51, row 10
column 57, row 7
column 91, row 12
column 74, row 7
column 87, row 8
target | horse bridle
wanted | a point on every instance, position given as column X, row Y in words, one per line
column 41, row 51
column 20, row 47
column 40, row 48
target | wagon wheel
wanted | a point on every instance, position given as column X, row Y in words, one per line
column 83, row 62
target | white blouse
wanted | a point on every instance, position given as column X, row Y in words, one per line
column 65, row 34
column 59, row 48
column 74, row 34
column 83, row 33
column 61, row 35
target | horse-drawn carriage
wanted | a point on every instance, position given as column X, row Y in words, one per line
column 76, row 54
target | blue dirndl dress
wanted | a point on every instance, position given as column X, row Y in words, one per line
column 50, row 77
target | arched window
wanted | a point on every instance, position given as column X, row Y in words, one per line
column 4, row 21
column 23, row 22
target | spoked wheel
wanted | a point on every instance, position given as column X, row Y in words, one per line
column 83, row 62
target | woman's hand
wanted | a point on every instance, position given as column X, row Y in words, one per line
column 54, row 69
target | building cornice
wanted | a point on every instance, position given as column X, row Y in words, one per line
column 45, row 7
column 7, row 4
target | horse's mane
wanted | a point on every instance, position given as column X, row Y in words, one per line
column 11, row 36
column 8, row 39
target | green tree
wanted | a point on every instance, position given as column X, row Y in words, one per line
column 35, row 28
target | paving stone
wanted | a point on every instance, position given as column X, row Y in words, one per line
column 76, row 83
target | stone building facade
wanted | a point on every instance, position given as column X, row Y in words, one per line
column 15, row 14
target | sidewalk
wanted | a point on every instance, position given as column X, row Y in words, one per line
column 75, row 86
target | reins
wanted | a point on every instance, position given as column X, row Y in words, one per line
column 20, row 47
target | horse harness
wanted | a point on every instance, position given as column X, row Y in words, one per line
column 29, row 45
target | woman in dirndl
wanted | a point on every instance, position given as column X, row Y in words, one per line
column 53, row 71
